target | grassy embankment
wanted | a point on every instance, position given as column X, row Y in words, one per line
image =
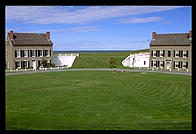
column 101, row 59
column 98, row 100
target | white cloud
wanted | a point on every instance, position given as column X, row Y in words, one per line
column 70, row 15
column 72, row 29
column 141, row 20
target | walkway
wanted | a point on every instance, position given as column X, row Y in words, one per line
column 96, row 69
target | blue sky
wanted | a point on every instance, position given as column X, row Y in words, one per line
column 99, row 27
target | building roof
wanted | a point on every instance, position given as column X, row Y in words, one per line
column 31, row 39
column 171, row 39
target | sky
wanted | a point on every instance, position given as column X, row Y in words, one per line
column 99, row 27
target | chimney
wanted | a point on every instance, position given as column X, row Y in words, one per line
column 153, row 35
column 11, row 34
column 190, row 34
column 48, row 35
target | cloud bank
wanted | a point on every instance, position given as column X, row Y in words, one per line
column 82, row 15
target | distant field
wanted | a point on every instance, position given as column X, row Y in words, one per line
column 101, row 59
column 98, row 100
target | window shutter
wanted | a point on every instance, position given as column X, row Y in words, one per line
column 15, row 53
column 174, row 64
column 163, row 53
column 187, row 53
column 174, row 53
column 50, row 53
column 186, row 64
column 151, row 53
column 43, row 53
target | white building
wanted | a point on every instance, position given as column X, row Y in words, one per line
column 64, row 59
column 137, row 60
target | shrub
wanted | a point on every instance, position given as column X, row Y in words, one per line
column 112, row 62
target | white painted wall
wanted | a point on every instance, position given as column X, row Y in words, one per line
column 137, row 60
column 64, row 60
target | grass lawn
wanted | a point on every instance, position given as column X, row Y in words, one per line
column 98, row 100
column 101, row 59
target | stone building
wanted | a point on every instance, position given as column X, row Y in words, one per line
column 171, row 51
column 25, row 50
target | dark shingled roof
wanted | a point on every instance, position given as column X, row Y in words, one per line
column 31, row 39
column 171, row 39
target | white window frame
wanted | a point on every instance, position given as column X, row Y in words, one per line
column 161, row 63
column 176, row 53
column 154, row 63
column 33, row 50
column 176, row 65
column 48, row 53
column 185, row 52
column 19, row 62
column 27, row 53
column 26, row 62
column 41, row 55
column 184, row 64
column 161, row 52
column 17, row 50
column 154, row 53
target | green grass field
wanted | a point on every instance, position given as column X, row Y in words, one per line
column 98, row 100
column 101, row 59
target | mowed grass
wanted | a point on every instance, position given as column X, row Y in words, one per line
column 98, row 100
column 102, row 59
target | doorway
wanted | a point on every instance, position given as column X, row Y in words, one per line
column 33, row 64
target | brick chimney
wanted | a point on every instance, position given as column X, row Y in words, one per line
column 48, row 35
column 190, row 34
column 153, row 35
column 11, row 34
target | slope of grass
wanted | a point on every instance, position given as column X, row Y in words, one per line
column 101, row 59
column 98, row 100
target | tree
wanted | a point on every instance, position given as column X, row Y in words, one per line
column 44, row 63
column 112, row 62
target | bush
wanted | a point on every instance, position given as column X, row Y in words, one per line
column 112, row 62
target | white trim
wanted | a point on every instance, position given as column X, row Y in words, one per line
column 48, row 53
column 24, row 52
column 153, row 53
column 41, row 50
column 176, row 53
column 17, row 54
column 34, row 52
column 160, row 53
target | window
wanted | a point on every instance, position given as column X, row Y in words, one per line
column 154, row 64
column 185, row 54
column 22, row 53
column 157, row 63
column 176, row 64
column 17, row 64
column 162, row 53
column 180, row 53
column 169, row 53
column 144, row 62
column 161, row 63
column 40, row 53
column 24, row 64
column 154, row 53
column 25, row 53
column 33, row 53
column 176, row 53
column 17, row 53
column 47, row 53
column 157, row 53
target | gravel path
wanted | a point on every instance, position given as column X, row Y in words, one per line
column 95, row 69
